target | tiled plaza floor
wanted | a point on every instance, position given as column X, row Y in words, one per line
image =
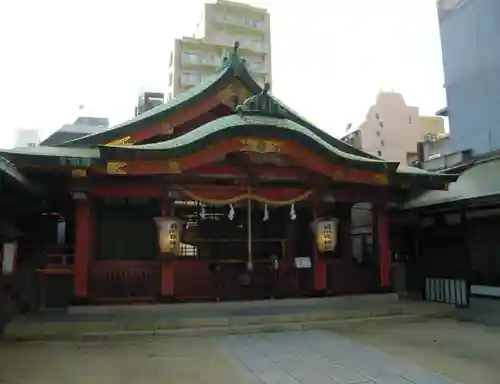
column 383, row 355
column 320, row 357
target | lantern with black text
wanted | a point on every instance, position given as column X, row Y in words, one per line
column 325, row 232
column 169, row 234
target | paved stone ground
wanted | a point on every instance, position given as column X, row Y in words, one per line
column 467, row 352
column 138, row 360
column 321, row 357
column 310, row 357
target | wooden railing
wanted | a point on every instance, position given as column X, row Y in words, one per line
column 124, row 280
column 194, row 281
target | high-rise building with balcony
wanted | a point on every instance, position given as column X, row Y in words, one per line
column 470, row 40
column 195, row 58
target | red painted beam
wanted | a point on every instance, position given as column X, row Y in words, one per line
column 263, row 171
column 119, row 190
column 182, row 116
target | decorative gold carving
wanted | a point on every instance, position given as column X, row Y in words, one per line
column 173, row 167
column 339, row 174
column 241, row 90
column 166, row 128
column 381, row 178
column 123, row 141
column 261, row 146
column 78, row 173
column 116, row 168
column 227, row 95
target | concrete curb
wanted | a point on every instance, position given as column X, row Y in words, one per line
column 92, row 331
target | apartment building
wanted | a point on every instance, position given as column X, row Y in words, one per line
column 392, row 129
column 470, row 36
column 195, row 58
column 148, row 100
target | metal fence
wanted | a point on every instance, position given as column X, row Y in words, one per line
column 443, row 290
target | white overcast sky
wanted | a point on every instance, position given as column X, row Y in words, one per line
column 330, row 57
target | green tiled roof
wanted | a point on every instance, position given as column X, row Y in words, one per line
column 52, row 156
column 127, row 128
column 482, row 180
column 232, row 66
column 324, row 135
column 51, row 151
column 241, row 126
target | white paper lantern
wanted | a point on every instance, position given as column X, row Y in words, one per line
column 325, row 232
column 169, row 234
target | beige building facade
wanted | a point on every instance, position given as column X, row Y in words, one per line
column 392, row 129
column 195, row 58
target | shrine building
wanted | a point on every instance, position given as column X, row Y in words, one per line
column 223, row 193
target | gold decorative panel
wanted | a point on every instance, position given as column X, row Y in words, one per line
column 173, row 167
column 116, row 168
column 123, row 141
column 78, row 173
column 261, row 146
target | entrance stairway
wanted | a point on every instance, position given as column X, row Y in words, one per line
column 201, row 319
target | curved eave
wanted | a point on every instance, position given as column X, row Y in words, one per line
column 251, row 84
column 192, row 96
column 52, row 156
column 431, row 181
column 9, row 169
column 236, row 126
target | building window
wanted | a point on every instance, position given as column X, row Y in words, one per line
column 381, row 124
column 377, row 116
column 409, row 119
column 378, row 133
column 382, row 143
column 379, row 152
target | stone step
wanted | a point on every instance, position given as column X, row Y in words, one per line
column 76, row 326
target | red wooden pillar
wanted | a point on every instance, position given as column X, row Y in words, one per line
column 382, row 221
column 167, row 265
column 319, row 264
column 83, row 247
